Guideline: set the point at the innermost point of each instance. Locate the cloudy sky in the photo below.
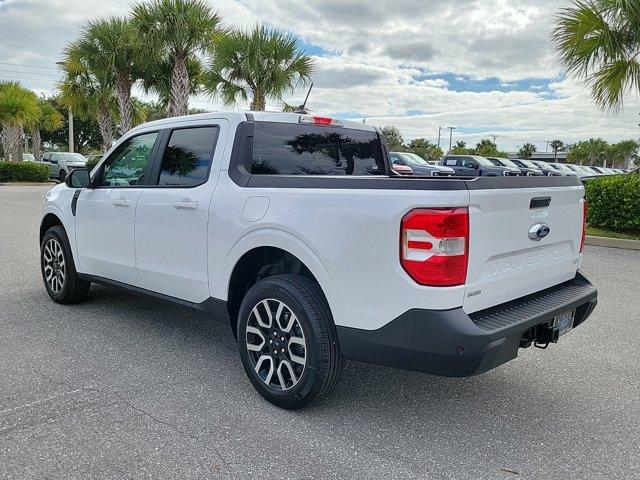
(483, 66)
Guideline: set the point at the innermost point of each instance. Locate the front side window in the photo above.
(127, 166)
(187, 158)
(292, 149)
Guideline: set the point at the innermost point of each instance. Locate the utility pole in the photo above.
(451, 129)
(439, 134)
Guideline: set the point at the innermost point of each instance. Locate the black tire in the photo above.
(71, 289)
(62, 175)
(323, 358)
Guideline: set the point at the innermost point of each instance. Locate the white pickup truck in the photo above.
(294, 230)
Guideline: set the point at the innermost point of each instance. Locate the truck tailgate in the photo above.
(504, 262)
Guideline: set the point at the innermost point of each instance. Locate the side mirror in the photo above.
(78, 178)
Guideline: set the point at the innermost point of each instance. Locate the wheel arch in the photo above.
(48, 221)
(262, 261)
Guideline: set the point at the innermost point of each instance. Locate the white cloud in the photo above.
(383, 60)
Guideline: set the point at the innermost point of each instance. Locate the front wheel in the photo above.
(288, 341)
(62, 175)
(58, 269)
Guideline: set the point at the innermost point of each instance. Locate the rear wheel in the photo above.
(288, 342)
(58, 270)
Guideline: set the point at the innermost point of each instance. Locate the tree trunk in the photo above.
(14, 139)
(36, 144)
(179, 102)
(105, 124)
(5, 142)
(259, 102)
(123, 92)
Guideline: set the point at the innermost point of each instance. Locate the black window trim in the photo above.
(242, 177)
(156, 168)
(146, 178)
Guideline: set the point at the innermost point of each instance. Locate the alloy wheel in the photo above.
(276, 344)
(54, 265)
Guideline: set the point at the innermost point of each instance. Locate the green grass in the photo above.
(600, 232)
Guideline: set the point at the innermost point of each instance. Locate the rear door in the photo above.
(105, 213)
(504, 261)
(172, 216)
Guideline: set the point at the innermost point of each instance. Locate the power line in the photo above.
(26, 65)
(22, 72)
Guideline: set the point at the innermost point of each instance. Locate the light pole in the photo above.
(71, 149)
(451, 129)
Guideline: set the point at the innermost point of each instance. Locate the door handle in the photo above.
(121, 202)
(185, 205)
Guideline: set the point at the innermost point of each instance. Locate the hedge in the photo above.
(614, 203)
(23, 172)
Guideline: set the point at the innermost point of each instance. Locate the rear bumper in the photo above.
(454, 344)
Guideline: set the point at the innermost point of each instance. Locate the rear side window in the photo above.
(451, 162)
(292, 149)
(187, 158)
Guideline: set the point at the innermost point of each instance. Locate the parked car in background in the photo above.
(504, 162)
(580, 171)
(419, 165)
(477, 166)
(531, 169)
(28, 157)
(563, 169)
(61, 163)
(592, 170)
(546, 168)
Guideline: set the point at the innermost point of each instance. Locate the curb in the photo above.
(613, 242)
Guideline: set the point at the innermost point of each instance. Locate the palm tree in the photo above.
(113, 48)
(261, 63)
(88, 92)
(49, 121)
(179, 30)
(556, 146)
(527, 150)
(626, 151)
(18, 108)
(598, 41)
(157, 78)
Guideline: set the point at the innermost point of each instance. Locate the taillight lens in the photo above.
(434, 246)
(585, 208)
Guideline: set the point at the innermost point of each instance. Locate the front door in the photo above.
(172, 216)
(105, 213)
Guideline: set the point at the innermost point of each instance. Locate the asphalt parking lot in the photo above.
(128, 387)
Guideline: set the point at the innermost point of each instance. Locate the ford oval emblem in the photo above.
(539, 231)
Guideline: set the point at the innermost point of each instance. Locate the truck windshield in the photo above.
(293, 149)
(414, 159)
(72, 157)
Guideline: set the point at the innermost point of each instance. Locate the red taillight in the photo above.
(585, 207)
(434, 246)
(318, 120)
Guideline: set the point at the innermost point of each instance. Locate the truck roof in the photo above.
(240, 116)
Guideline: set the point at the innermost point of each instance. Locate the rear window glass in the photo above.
(291, 149)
